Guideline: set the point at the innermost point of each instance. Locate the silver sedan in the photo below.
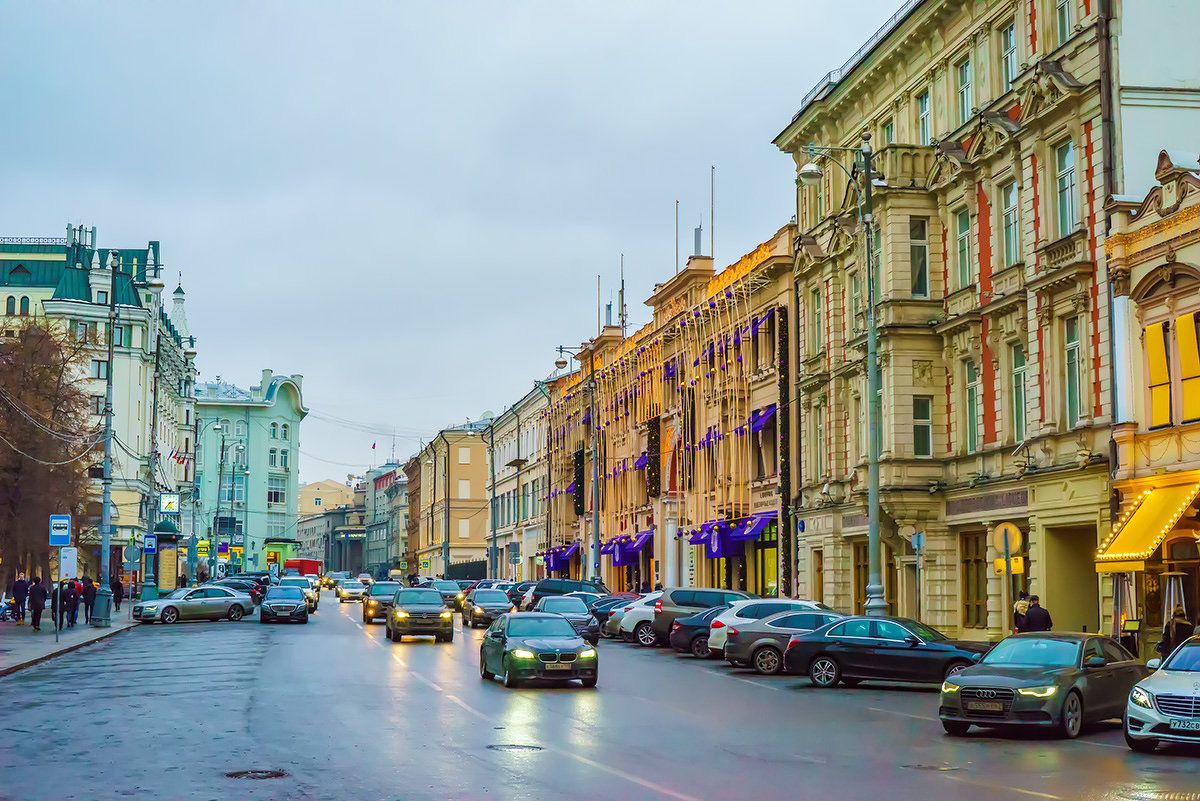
(197, 603)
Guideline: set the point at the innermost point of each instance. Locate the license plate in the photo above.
(1184, 725)
(985, 706)
(557, 666)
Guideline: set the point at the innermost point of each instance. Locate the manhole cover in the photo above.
(1163, 795)
(930, 767)
(256, 774)
(515, 747)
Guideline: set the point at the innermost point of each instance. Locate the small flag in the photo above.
(372, 446)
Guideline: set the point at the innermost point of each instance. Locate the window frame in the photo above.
(887, 131)
(973, 576)
(963, 76)
(924, 118)
(1008, 55)
(816, 323)
(1073, 370)
(99, 369)
(924, 424)
(962, 248)
(1066, 212)
(1064, 21)
(971, 410)
(1010, 222)
(1019, 391)
(918, 246)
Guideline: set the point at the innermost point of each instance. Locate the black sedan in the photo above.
(602, 609)
(532, 645)
(575, 610)
(377, 603)
(690, 634)
(484, 606)
(420, 611)
(452, 594)
(761, 643)
(857, 649)
(1054, 680)
(284, 603)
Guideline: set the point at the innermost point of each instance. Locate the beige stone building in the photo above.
(516, 442)
(453, 503)
(319, 496)
(997, 129)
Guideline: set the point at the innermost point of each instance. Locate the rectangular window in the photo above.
(97, 405)
(922, 425)
(226, 493)
(855, 298)
(283, 459)
(819, 442)
(1074, 365)
(818, 587)
(974, 580)
(962, 228)
(1018, 392)
(102, 297)
(273, 458)
(276, 523)
(99, 368)
(464, 488)
(1063, 21)
(876, 265)
(862, 570)
(1189, 366)
(814, 338)
(1064, 182)
(464, 455)
(464, 529)
(918, 254)
(239, 489)
(1159, 372)
(81, 332)
(316, 501)
(923, 131)
(964, 90)
(889, 132)
(971, 412)
(276, 490)
(1010, 223)
(1008, 55)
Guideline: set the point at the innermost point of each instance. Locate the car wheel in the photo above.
(1145, 746)
(341, 600)
(767, 660)
(387, 631)
(449, 637)
(305, 620)
(170, 615)
(644, 634)
(262, 619)
(955, 728)
(484, 673)
(824, 672)
(1070, 718)
(589, 682)
(955, 667)
(236, 612)
(700, 648)
(509, 680)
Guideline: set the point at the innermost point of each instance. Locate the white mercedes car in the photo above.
(1165, 706)
(752, 609)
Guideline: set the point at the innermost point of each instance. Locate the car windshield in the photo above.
(353, 585)
(1186, 658)
(540, 627)
(294, 582)
(385, 588)
(420, 597)
(490, 597)
(926, 633)
(564, 605)
(284, 594)
(446, 586)
(1034, 652)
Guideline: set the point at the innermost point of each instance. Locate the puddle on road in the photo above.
(257, 774)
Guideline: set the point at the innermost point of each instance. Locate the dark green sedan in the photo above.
(532, 645)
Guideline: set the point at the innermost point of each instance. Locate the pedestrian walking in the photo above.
(1178, 629)
(20, 592)
(89, 599)
(1036, 617)
(75, 597)
(118, 592)
(37, 602)
(1019, 610)
(67, 604)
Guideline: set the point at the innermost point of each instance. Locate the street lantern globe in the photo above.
(560, 363)
(810, 174)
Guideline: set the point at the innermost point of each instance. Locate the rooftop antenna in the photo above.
(621, 310)
(676, 236)
(712, 211)
(393, 458)
(699, 233)
(598, 303)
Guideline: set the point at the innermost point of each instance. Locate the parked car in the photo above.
(603, 608)
(517, 592)
(744, 611)
(560, 586)
(637, 619)
(311, 596)
(377, 603)
(532, 645)
(249, 587)
(685, 602)
(690, 634)
(484, 606)
(195, 603)
(451, 594)
(1055, 680)
(855, 649)
(420, 611)
(284, 603)
(351, 590)
(575, 611)
(588, 598)
(761, 643)
(1166, 706)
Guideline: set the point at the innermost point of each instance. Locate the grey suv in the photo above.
(685, 602)
(562, 586)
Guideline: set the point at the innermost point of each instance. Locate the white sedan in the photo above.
(637, 620)
(1165, 706)
(752, 609)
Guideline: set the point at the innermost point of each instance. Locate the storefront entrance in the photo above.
(1068, 584)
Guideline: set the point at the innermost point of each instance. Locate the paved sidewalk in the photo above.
(21, 646)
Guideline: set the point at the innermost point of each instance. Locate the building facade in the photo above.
(247, 469)
(517, 487)
(997, 130)
(377, 514)
(453, 504)
(321, 495)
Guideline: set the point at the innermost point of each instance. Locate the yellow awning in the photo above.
(1142, 528)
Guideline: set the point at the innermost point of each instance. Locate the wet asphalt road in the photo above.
(165, 712)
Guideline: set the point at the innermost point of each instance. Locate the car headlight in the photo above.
(401, 613)
(521, 653)
(513, 609)
(479, 610)
(949, 687)
(459, 596)
(447, 614)
(1141, 698)
(1037, 692)
(587, 653)
(149, 607)
(301, 607)
(370, 603)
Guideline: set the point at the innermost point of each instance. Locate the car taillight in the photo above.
(627, 608)
(716, 624)
(792, 642)
(657, 606)
(676, 625)
(732, 632)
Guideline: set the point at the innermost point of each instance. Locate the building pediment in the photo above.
(949, 165)
(995, 134)
(1045, 89)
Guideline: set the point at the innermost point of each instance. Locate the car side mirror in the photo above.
(1094, 662)
(976, 657)
(913, 640)
(1154, 664)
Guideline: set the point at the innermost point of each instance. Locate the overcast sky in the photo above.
(407, 203)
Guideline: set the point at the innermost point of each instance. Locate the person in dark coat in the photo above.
(89, 598)
(20, 591)
(118, 592)
(37, 602)
(1037, 618)
(68, 604)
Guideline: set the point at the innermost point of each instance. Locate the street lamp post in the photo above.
(561, 363)
(810, 175)
(102, 612)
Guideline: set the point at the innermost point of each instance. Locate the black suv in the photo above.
(419, 611)
(685, 602)
(559, 586)
(377, 602)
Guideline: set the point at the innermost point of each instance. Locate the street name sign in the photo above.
(60, 530)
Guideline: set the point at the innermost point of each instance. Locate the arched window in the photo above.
(274, 430)
(24, 306)
(10, 307)
(241, 428)
(286, 430)
(226, 428)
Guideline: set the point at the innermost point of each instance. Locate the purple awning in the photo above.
(751, 528)
(642, 460)
(567, 554)
(698, 537)
(721, 545)
(761, 419)
(609, 547)
(640, 541)
(570, 487)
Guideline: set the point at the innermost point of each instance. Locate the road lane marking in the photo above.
(1010, 788)
(902, 714)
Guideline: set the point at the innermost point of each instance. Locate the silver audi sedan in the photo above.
(195, 603)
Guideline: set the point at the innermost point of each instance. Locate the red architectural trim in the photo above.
(1041, 375)
(1092, 246)
(1037, 217)
(1032, 30)
(984, 237)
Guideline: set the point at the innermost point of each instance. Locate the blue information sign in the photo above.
(60, 531)
(151, 543)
